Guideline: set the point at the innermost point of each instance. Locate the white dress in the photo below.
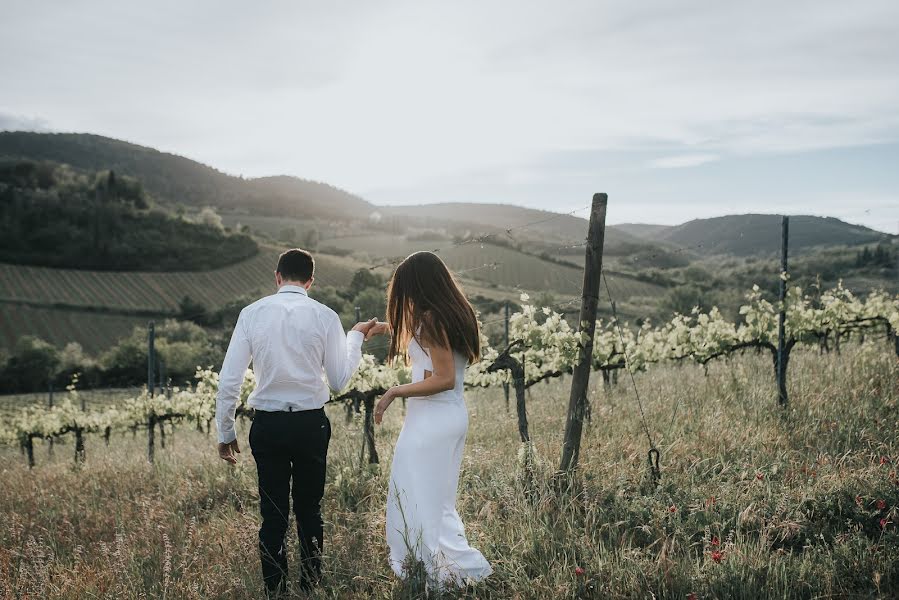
(422, 522)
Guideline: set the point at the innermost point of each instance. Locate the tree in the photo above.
(362, 279)
(31, 366)
(288, 235)
(210, 218)
(311, 239)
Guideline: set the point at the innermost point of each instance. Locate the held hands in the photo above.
(228, 452)
(371, 328)
(379, 328)
(383, 403)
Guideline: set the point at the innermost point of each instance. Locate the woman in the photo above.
(434, 326)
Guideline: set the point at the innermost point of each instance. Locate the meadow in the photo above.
(754, 501)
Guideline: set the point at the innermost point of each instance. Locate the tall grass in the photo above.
(754, 502)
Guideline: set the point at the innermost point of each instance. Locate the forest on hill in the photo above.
(54, 216)
(176, 181)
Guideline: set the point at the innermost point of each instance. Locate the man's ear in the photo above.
(308, 284)
(278, 279)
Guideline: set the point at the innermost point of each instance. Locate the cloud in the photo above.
(14, 122)
(682, 161)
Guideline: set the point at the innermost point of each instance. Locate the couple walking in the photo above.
(297, 344)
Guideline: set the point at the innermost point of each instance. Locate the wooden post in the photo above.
(50, 405)
(590, 298)
(79, 445)
(369, 428)
(506, 385)
(151, 437)
(29, 451)
(151, 372)
(151, 356)
(782, 317)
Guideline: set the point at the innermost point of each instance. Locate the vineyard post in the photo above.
(614, 374)
(50, 405)
(782, 317)
(587, 324)
(151, 419)
(505, 384)
(28, 446)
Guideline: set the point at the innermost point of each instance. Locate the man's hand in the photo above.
(383, 403)
(228, 452)
(379, 328)
(365, 326)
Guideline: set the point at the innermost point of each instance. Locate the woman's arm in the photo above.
(443, 379)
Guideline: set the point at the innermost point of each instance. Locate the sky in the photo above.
(677, 110)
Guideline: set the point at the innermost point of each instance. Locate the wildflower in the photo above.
(759, 476)
(858, 500)
(881, 505)
(717, 555)
(579, 571)
(884, 460)
(672, 509)
(692, 596)
(884, 523)
(715, 541)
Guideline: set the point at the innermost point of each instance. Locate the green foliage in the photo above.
(51, 215)
(31, 366)
(362, 279)
(181, 346)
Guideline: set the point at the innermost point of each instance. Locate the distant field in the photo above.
(155, 291)
(94, 331)
(49, 303)
(492, 265)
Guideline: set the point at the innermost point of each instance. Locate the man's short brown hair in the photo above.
(296, 265)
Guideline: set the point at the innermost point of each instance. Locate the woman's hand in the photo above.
(378, 328)
(383, 403)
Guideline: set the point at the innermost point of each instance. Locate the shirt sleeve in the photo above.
(237, 359)
(343, 351)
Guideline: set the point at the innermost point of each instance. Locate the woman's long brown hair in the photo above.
(425, 301)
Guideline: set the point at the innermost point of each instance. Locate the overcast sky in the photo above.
(678, 109)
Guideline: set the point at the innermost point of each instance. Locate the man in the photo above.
(291, 339)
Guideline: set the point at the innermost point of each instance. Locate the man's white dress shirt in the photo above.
(292, 341)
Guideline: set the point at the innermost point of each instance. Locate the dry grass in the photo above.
(791, 498)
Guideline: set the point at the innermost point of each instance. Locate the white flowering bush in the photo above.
(546, 344)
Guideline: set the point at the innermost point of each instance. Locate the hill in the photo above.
(753, 234)
(526, 223)
(53, 216)
(643, 230)
(175, 180)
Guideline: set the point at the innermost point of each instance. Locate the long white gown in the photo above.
(421, 506)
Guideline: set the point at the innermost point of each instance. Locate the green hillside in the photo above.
(745, 235)
(54, 216)
(176, 180)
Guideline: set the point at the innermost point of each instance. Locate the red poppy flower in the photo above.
(884, 460)
(715, 541)
(884, 523)
(672, 509)
(717, 555)
(580, 572)
(881, 505)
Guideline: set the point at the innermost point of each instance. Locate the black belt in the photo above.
(289, 409)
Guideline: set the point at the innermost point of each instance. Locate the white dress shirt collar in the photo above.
(292, 288)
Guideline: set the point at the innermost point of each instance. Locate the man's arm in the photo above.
(237, 359)
(343, 351)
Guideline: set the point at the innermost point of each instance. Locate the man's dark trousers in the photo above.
(285, 445)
